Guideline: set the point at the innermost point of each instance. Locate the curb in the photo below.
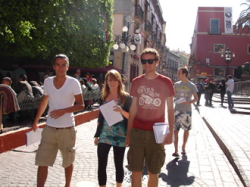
(17, 138)
(233, 160)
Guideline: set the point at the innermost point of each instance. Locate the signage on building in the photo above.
(204, 74)
(228, 20)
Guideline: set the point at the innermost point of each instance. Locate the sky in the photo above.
(180, 17)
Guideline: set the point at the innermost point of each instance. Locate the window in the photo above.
(219, 71)
(214, 26)
(248, 49)
(219, 48)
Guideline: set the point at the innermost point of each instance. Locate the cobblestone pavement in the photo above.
(204, 164)
(232, 132)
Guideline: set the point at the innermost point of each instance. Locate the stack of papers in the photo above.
(181, 100)
(33, 137)
(112, 117)
(161, 131)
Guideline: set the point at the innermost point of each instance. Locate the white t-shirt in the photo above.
(61, 98)
(230, 85)
(95, 86)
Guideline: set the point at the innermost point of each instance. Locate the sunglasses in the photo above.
(149, 61)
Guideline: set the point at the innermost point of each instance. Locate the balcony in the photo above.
(158, 43)
(154, 37)
(148, 27)
(214, 31)
(139, 14)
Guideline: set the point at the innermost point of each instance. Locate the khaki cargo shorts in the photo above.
(144, 148)
(54, 139)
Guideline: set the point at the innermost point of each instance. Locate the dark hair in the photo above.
(229, 76)
(23, 77)
(184, 71)
(60, 56)
(8, 79)
(94, 81)
(151, 51)
(85, 82)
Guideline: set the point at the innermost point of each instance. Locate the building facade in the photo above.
(213, 35)
(146, 28)
(173, 64)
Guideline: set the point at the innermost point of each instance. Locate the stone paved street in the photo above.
(204, 164)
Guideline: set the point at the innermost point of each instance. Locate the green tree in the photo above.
(39, 29)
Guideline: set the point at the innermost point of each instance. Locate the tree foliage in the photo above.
(39, 29)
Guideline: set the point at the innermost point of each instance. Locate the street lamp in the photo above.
(125, 42)
(228, 57)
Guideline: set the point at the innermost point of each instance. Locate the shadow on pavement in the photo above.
(178, 173)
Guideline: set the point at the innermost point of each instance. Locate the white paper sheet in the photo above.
(161, 131)
(112, 117)
(181, 100)
(33, 137)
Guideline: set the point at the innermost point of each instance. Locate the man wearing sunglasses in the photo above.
(151, 91)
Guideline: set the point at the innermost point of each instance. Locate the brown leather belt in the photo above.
(62, 127)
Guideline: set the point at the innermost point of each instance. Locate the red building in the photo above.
(213, 35)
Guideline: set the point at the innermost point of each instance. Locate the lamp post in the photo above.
(126, 42)
(228, 57)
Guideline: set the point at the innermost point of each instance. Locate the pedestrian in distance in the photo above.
(112, 136)
(60, 93)
(222, 89)
(230, 89)
(77, 75)
(200, 90)
(183, 111)
(150, 91)
(209, 89)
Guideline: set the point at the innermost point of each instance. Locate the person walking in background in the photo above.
(94, 84)
(151, 92)
(209, 89)
(7, 81)
(222, 88)
(89, 78)
(23, 85)
(78, 75)
(200, 90)
(60, 92)
(230, 89)
(183, 111)
(112, 136)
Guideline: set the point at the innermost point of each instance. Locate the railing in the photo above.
(29, 103)
(92, 95)
(242, 88)
(214, 31)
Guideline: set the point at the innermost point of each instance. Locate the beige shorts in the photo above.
(144, 148)
(54, 139)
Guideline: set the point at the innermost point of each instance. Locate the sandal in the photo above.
(175, 154)
(183, 152)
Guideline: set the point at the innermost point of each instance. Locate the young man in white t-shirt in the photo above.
(60, 92)
(230, 89)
